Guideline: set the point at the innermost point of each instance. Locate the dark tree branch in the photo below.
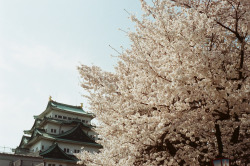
(236, 133)
(219, 142)
(222, 116)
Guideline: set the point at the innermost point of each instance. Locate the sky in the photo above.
(41, 44)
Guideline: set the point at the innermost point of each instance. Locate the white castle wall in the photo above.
(73, 147)
(66, 115)
(36, 147)
(63, 145)
(58, 129)
(46, 144)
(64, 128)
(53, 126)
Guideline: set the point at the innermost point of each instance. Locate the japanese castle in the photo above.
(58, 133)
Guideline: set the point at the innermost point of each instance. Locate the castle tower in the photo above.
(59, 132)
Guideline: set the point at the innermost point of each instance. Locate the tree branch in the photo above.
(219, 142)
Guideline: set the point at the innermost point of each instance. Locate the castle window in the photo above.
(69, 118)
(42, 147)
(59, 116)
(56, 116)
(64, 117)
(83, 121)
(67, 150)
(53, 130)
(76, 151)
(62, 131)
(64, 149)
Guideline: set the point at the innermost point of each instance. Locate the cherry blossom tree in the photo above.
(180, 94)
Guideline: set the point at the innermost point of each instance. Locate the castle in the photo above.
(58, 133)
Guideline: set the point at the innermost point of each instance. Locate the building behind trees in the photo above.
(57, 134)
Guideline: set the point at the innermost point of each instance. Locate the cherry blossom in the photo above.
(180, 94)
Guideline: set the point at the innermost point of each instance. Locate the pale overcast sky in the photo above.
(42, 42)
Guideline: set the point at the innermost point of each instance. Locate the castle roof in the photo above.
(40, 122)
(76, 135)
(53, 105)
(25, 140)
(66, 107)
(56, 153)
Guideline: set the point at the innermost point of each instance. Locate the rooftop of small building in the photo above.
(29, 155)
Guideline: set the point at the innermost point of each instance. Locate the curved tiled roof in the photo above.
(68, 122)
(64, 107)
(55, 152)
(67, 107)
(74, 135)
(54, 120)
(36, 123)
(24, 140)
